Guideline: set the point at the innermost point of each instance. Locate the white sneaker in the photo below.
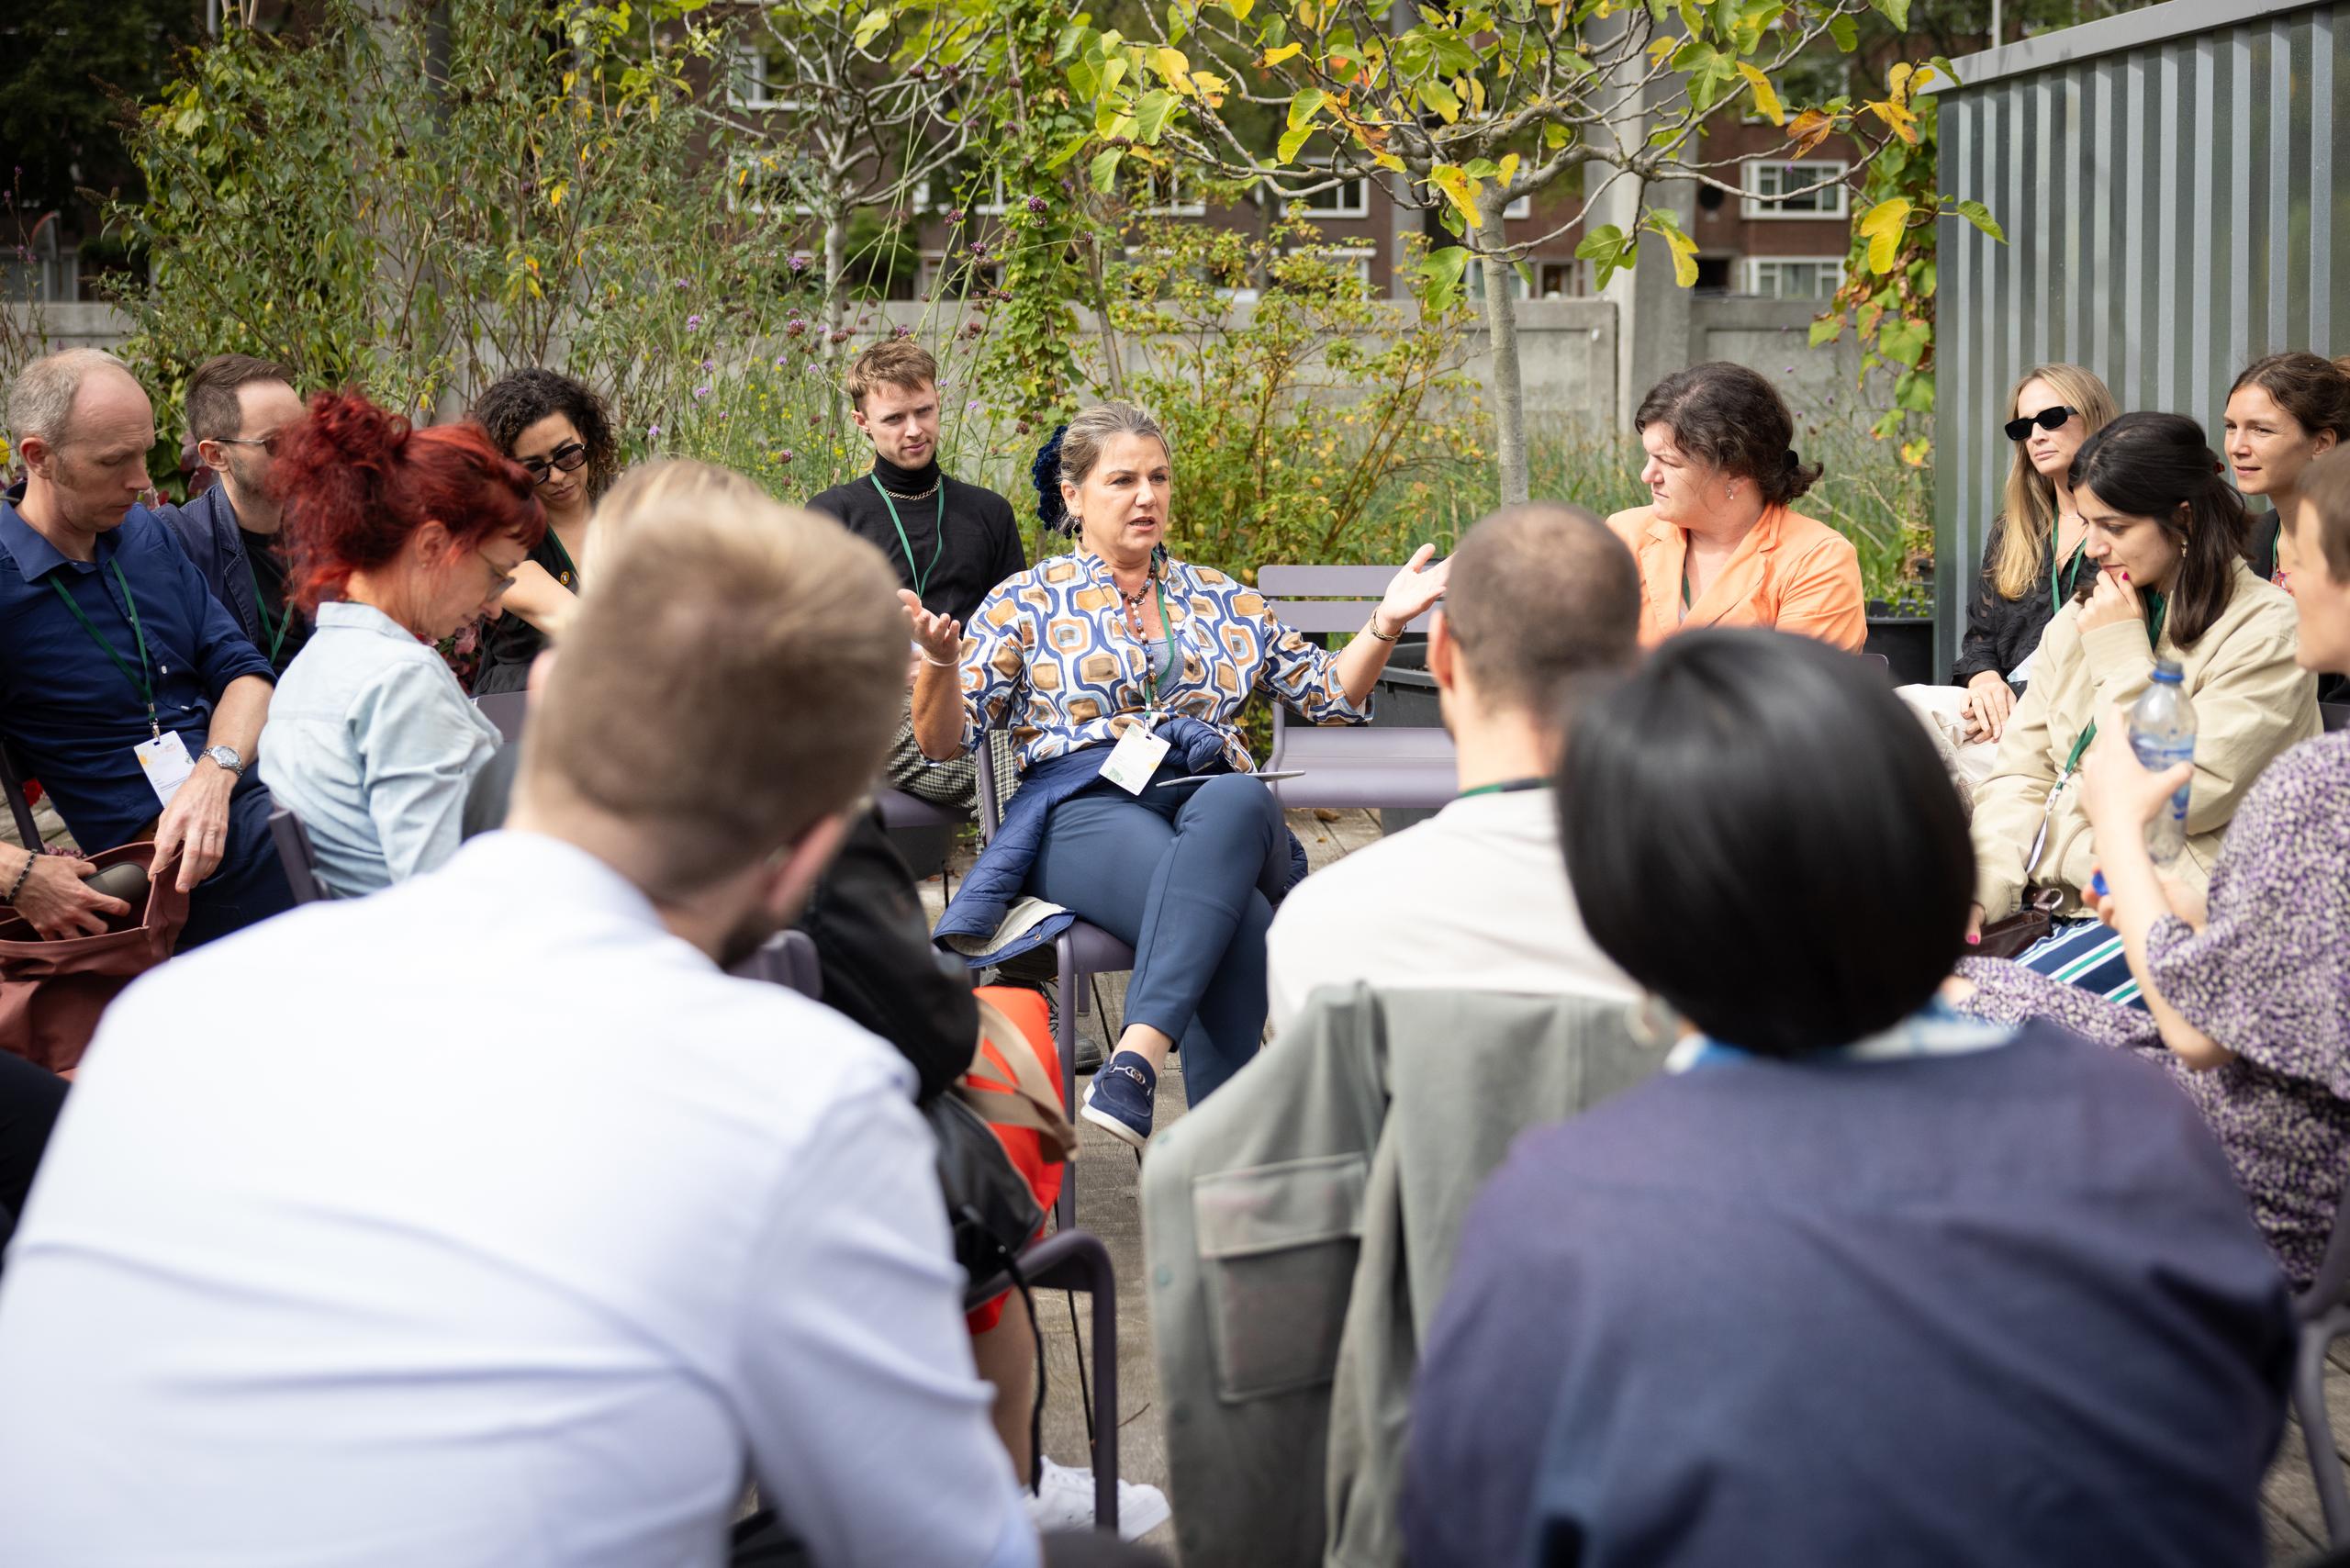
(1064, 1500)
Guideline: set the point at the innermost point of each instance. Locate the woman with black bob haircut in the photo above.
(2164, 532)
(561, 432)
(1835, 1181)
(1721, 544)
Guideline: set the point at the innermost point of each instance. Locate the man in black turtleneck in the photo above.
(951, 542)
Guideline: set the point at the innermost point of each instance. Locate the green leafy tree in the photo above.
(1465, 109)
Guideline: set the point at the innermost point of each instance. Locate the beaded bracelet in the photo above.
(22, 878)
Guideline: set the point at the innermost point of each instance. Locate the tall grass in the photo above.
(1865, 492)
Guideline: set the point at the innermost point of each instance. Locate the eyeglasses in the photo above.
(500, 578)
(266, 442)
(566, 457)
(2047, 420)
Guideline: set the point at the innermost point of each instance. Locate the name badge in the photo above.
(166, 763)
(1134, 758)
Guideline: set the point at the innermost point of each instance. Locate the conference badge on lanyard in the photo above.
(1139, 751)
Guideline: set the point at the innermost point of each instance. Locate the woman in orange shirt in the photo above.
(1718, 545)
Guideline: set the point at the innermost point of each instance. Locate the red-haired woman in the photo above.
(397, 537)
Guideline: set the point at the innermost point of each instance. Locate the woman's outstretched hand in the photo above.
(1415, 590)
(940, 636)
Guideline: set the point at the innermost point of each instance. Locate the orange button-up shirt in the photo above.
(1791, 572)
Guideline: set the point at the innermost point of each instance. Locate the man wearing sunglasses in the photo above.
(237, 406)
(950, 541)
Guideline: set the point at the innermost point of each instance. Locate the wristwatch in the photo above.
(226, 755)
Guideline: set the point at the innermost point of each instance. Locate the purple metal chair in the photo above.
(1082, 953)
(1349, 765)
(921, 829)
(295, 854)
(2324, 1312)
(1076, 1259)
(507, 710)
(789, 959)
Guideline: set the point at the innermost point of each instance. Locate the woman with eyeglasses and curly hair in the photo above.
(559, 430)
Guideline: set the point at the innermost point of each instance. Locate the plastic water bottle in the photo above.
(2162, 731)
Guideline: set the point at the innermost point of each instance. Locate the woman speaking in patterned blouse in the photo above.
(1121, 673)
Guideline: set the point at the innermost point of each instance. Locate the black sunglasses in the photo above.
(567, 457)
(2047, 420)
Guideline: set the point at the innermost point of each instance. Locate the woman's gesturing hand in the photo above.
(1413, 592)
(939, 636)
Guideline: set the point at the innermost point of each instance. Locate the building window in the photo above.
(959, 276)
(752, 86)
(1794, 277)
(1347, 264)
(1565, 280)
(1522, 207)
(759, 183)
(1770, 178)
(1165, 195)
(1350, 198)
(990, 205)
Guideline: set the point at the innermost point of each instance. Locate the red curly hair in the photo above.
(357, 481)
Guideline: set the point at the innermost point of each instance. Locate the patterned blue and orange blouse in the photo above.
(1049, 657)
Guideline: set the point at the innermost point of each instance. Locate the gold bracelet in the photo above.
(1374, 631)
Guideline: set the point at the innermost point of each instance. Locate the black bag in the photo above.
(988, 1201)
(2035, 922)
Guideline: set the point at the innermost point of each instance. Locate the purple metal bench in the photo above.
(1349, 765)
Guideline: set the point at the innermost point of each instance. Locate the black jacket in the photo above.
(207, 530)
(2002, 632)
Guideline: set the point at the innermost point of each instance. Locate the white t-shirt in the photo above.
(484, 1223)
(1473, 899)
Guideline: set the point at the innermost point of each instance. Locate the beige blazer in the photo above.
(2251, 702)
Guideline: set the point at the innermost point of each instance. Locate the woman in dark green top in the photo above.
(561, 432)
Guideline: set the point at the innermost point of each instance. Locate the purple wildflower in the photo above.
(1037, 204)
(797, 261)
(691, 322)
(701, 392)
(652, 434)
(901, 331)
(708, 366)
(954, 215)
(681, 283)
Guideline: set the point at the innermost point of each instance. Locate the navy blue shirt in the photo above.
(69, 715)
(2005, 1306)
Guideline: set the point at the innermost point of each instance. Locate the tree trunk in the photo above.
(1501, 327)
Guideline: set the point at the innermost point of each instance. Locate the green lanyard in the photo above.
(140, 681)
(1507, 787)
(938, 541)
(260, 608)
(1149, 665)
(2153, 640)
(2060, 582)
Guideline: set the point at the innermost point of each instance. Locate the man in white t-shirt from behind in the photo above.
(487, 1222)
(1476, 898)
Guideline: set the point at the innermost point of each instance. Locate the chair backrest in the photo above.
(295, 854)
(13, 782)
(2335, 714)
(507, 710)
(789, 959)
(1322, 599)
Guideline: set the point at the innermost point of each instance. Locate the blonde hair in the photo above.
(2028, 512)
(731, 677)
(1082, 441)
(894, 361)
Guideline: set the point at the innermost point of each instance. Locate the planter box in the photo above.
(1907, 644)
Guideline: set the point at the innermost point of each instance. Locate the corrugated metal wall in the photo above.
(2173, 209)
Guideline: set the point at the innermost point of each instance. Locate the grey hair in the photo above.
(1087, 434)
(42, 400)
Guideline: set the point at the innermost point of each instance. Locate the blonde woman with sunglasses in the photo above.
(2031, 564)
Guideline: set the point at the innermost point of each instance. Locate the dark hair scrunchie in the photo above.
(1045, 472)
(1792, 462)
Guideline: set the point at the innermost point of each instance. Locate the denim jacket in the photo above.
(1048, 656)
(371, 744)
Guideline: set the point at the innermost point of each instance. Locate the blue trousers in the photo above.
(250, 885)
(1185, 874)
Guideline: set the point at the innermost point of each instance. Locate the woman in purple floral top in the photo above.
(2247, 990)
